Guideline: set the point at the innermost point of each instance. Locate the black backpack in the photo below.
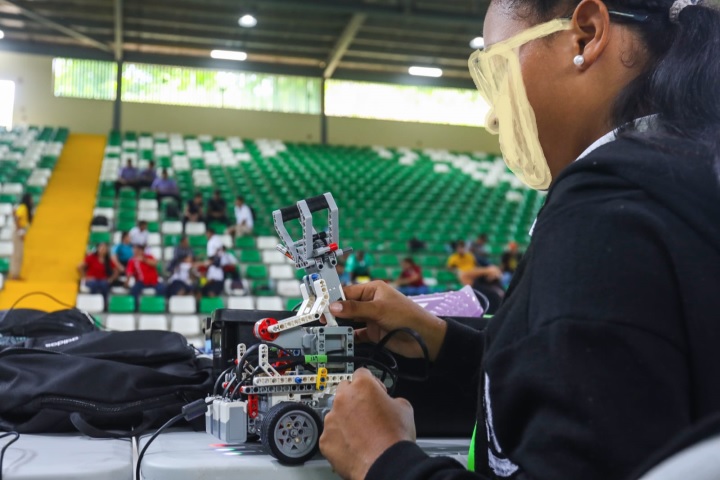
(104, 384)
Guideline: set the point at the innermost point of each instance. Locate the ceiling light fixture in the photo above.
(2, 34)
(228, 55)
(425, 72)
(477, 43)
(247, 21)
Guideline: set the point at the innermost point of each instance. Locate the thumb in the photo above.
(356, 310)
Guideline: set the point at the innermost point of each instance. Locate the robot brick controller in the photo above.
(284, 396)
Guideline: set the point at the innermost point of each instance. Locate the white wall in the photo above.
(36, 104)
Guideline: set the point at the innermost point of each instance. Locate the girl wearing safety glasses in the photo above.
(607, 347)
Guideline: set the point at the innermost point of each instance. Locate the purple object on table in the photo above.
(461, 303)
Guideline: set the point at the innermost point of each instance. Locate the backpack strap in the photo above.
(84, 427)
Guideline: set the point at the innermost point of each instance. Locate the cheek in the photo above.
(544, 87)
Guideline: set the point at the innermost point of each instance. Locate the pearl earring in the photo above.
(579, 60)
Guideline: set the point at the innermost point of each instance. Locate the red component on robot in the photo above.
(333, 247)
(262, 331)
(253, 406)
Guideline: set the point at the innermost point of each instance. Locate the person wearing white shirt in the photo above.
(214, 243)
(140, 235)
(244, 221)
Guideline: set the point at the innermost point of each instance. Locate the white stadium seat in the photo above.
(121, 323)
(273, 256)
(178, 304)
(270, 303)
(267, 243)
(241, 303)
(282, 272)
(171, 228)
(152, 322)
(188, 325)
(288, 288)
(195, 228)
(90, 303)
(6, 249)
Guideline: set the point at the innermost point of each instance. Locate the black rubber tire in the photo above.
(302, 449)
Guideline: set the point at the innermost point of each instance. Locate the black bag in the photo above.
(99, 381)
(100, 221)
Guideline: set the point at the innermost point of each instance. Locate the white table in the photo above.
(178, 455)
(67, 457)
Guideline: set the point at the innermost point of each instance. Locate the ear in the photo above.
(591, 30)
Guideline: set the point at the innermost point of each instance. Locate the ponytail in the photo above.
(681, 82)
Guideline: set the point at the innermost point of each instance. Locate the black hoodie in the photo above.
(608, 343)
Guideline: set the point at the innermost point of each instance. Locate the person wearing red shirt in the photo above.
(143, 268)
(98, 271)
(411, 280)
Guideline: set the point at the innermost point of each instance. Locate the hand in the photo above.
(384, 309)
(493, 273)
(363, 423)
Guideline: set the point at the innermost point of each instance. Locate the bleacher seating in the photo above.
(27, 159)
(387, 197)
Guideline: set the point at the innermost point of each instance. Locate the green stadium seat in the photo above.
(147, 194)
(197, 241)
(121, 304)
(4, 265)
(379, 274)
(209, 305)
(171, 240)
(127, 192)
(128, 204)
(245, 242)
(293, 303)
(445, 277)
(250, 256)
(388, 261)
(257, 272)
(152, 305)
(99, 237)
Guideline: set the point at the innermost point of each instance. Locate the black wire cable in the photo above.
(220, 378)
(5, 447)
(167, 424)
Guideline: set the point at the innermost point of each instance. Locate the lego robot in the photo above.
(284, 396)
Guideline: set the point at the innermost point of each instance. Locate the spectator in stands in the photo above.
(182, 250)
(143, 268)
(23, 216)
(194, 210)
(416, 245)
(139, 234)
(214, 243)
(98, 270)
(358, 265)
(464, 263)
(343, 274)
(509, 261)
(216, 209)
(214, 278)
(147, 176)
(244, 220)
(182, 280)
(411, 280)
(122, 252)
(166, 187)
(480, 250)
(229, 263)
(128, 176)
